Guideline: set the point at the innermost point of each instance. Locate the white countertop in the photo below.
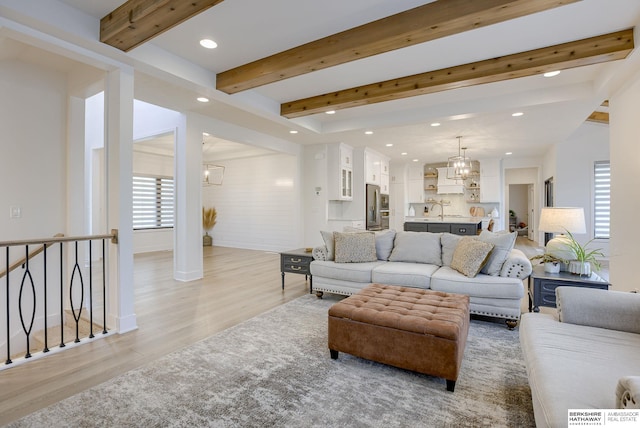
(447, 219)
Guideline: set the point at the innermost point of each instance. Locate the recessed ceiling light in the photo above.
(203, 99)
(330, 112)
(389, 144)
(368, 132)
(293, 131)
(517, 114)
(208, 43)
(206, 134)
(404, 153)
(435, 124)
(551, 73)
(508, 153)
(416, 160)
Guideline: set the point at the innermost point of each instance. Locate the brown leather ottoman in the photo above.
(411, 328)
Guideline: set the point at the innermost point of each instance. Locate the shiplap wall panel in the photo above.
(257, 203)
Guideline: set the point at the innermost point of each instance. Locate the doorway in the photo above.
(548, 202)
(520, 208)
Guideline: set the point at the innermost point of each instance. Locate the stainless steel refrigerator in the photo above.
(374, 218)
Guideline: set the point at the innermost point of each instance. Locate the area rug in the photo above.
(275, 371)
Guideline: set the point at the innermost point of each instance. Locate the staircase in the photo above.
(68, 332)
(53, 272)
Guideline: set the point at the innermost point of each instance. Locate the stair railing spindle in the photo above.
(62, 345)
(8, 361)
(104, 290)
(90, 292)
(46, 340)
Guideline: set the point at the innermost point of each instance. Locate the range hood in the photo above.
(447, 186)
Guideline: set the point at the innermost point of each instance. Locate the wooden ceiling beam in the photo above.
(137, 21)
(421, 24)
(594, 50)
(599, 117)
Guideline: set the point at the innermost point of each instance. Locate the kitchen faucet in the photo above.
(441, 203)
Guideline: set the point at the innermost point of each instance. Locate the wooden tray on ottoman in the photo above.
(410, 328)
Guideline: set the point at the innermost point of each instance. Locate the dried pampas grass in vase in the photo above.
(208, 221)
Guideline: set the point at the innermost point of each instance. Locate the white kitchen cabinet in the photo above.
(384, 184)
(415, 191)
(340, 172)
(415, 184)
(384, 176)
(415, 172)
(372, 167)
(490, 180)
(346, 156)
(384, 166)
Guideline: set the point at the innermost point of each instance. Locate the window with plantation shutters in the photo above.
(602, 199)
(152, 202)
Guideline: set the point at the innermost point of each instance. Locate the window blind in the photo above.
(152, 202)
(602, 199)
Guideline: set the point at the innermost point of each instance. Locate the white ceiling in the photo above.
(248, 30)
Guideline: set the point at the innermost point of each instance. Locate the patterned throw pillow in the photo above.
(355, 247)
(470, 255)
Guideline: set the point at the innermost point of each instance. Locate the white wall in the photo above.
(625, 204)
(257, 203)
(316, 208)
(33, 175)
(573, 181)
(33, 117)
(150, 120)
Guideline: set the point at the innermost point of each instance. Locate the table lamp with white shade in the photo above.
(559, 220)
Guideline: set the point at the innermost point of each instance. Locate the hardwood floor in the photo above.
(238, 284)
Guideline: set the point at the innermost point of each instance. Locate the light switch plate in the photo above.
(15, 212)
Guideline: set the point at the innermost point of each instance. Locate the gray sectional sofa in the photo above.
(586, 356)
(430, 261)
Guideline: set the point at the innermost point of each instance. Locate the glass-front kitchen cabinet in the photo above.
(340, 170)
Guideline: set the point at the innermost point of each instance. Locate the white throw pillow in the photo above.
(417, 247)
(384, 243)
(327, 237)
(449, 243)
(503, 243)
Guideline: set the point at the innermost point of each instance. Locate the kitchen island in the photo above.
(456, 225)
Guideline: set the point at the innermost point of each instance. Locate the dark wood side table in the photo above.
(542, 286)
(297, 261)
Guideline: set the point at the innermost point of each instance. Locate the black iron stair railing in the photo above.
(33, 294)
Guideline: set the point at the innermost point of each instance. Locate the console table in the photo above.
(542, 286)
(297, 261)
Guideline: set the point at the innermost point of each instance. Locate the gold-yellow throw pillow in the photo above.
(470, 255)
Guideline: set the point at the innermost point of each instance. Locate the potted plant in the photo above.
(551, 262)
(585, 258)
(208, 221)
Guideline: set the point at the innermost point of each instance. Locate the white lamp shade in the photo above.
(562, 219)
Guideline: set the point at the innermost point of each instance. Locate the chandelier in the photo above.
(459, 167)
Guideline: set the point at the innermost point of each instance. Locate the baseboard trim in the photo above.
(188, 276)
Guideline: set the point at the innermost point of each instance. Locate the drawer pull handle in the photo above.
(296, 267)
(296, 260)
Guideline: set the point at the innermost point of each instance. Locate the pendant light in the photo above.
(459, 167)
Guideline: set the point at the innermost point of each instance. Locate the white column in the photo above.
(119, 159)
(625, 205)
(187, 253)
